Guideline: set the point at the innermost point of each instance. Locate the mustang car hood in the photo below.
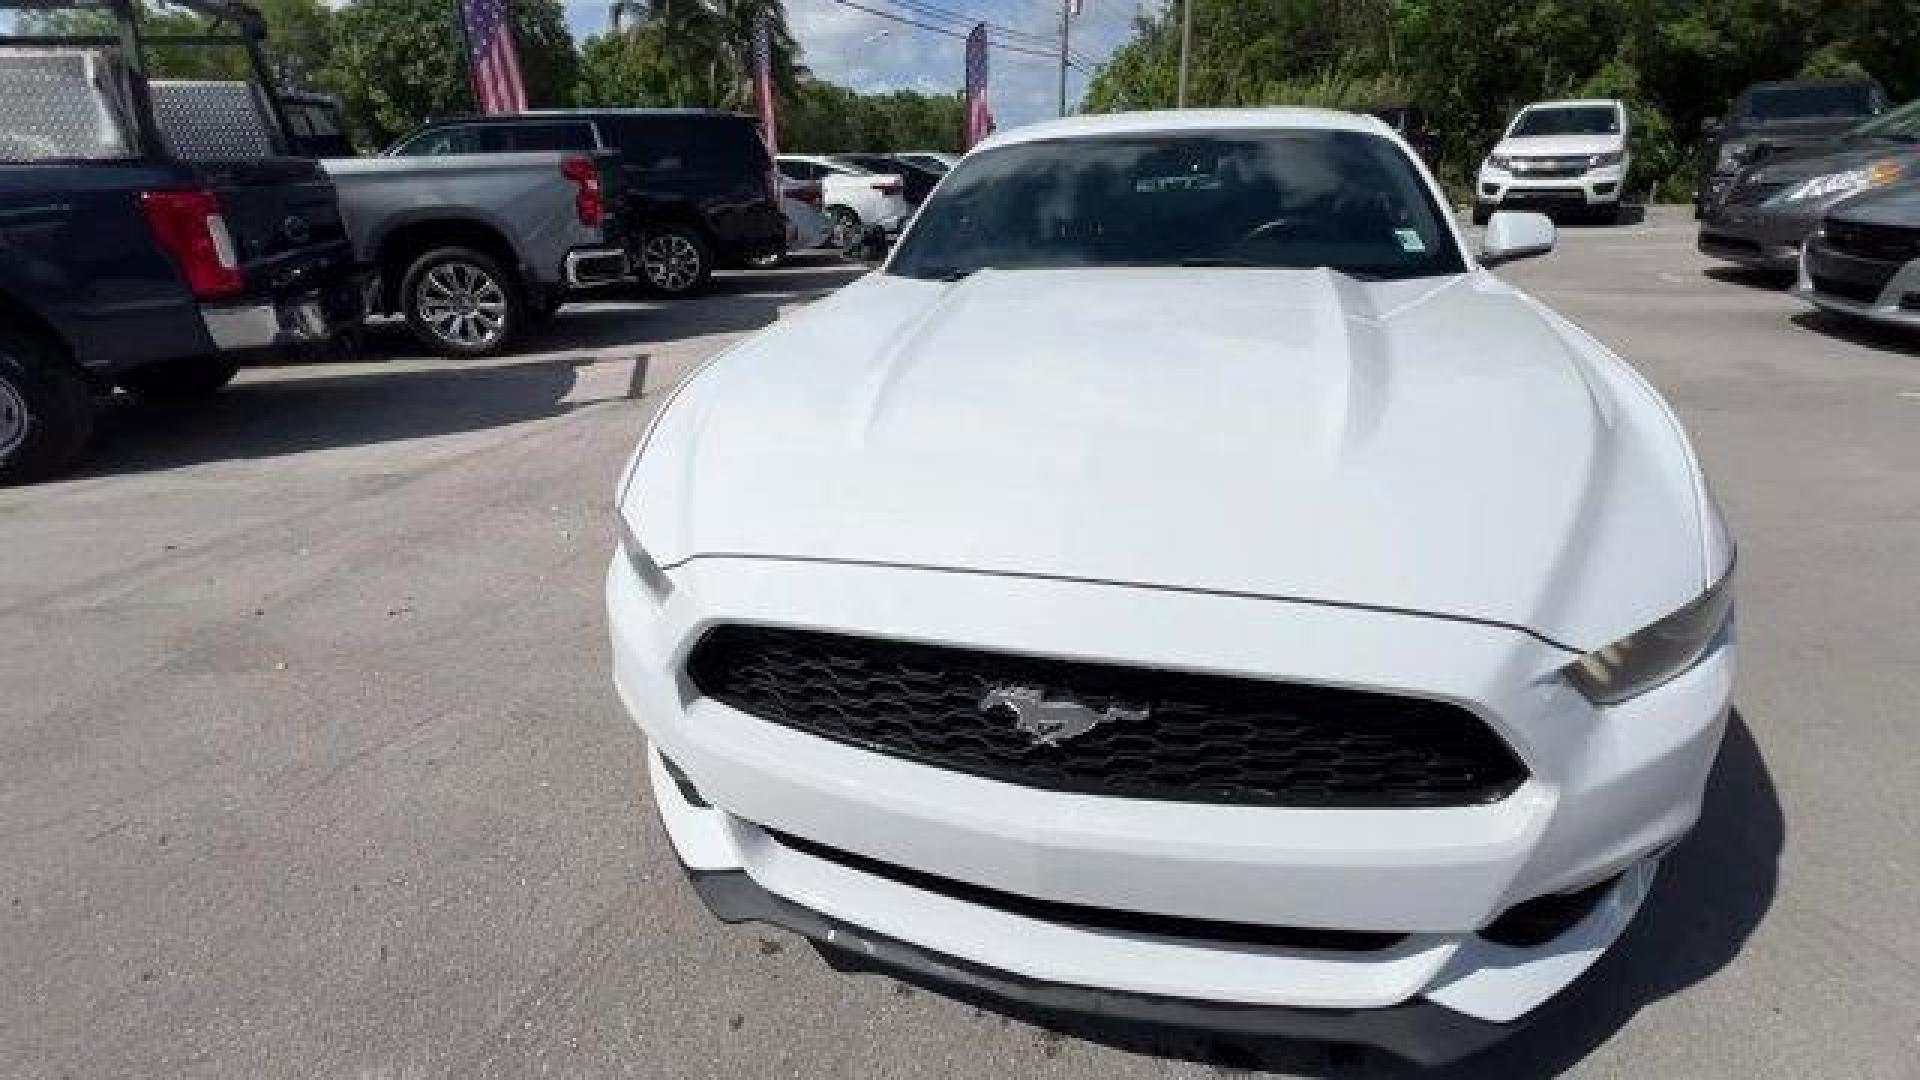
(1437, 445)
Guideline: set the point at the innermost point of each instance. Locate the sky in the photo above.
(868, 52)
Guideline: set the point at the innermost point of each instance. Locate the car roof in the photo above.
(1169, 121)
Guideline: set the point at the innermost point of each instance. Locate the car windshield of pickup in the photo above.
(1346, 200)
(1807, 101)
(1567, 120)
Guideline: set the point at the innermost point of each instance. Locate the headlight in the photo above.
(1733, 156)
(1841, 183)
(1499, 161)
(1606, 161)
(1658, 654)
(654, 579)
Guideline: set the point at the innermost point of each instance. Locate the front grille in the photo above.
(1165, 735)
(1552, 168)
(1860, 292)
(1881, 243)
(1099, 918)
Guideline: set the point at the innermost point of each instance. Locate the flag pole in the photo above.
(466, 53)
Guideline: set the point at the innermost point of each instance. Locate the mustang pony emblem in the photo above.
(1049, 723)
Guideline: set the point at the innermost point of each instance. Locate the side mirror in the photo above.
(874, 244)
(1512, 235)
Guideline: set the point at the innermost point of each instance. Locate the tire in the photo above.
(180, 380)
(674, 260)
(462, 302)
(847, 228)
(46, 409)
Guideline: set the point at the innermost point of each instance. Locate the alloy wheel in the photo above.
(670, 262)
(463, 305)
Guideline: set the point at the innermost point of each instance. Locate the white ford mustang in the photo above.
(1182, 585)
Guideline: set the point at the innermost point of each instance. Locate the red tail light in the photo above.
(807, 193)
(589, 202)
(190, 227)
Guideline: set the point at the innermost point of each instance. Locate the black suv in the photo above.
(1772, 118)
(695, 185)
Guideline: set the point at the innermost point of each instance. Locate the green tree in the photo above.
(397, 63)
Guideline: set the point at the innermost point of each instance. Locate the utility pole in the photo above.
(1186, 46)
(1066, 27)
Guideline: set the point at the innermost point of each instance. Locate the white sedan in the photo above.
(854, 197)
(1182, 585)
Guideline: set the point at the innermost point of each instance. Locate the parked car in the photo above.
(856, 197)
(919, 179)
(1228, 605)
(473, 249)
(1567, 156)
(1762, 217)
(153, 236)
(804, 204)
(696, 186)
(937, 162)
(1772, 118)
(1864, 260)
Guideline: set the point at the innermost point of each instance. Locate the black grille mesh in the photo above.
(1203, 738)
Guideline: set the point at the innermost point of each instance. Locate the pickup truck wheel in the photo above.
(177, 380)
(674, 260)
(461, 302)
(46, 410)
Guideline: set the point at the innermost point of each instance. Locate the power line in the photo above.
(928, 10)
(952, 33)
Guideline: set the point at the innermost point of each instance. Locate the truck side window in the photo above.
(447, 140)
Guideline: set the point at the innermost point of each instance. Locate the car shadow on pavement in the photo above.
(325, 409)
(1710, 895)
(1859, 331)
(1753, 277)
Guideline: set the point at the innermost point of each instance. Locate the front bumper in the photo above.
(1609, 790)
(1499, 188)
(1861, 288)
(1764, 237)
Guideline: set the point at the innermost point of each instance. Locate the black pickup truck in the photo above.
(151, 238)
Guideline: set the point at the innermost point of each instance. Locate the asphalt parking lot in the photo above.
(309, 763)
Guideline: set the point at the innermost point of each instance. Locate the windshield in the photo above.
(1809, 102)
(1340, 199)
(1900, 125)
(1567, 120)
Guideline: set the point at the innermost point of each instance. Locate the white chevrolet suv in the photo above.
(1568, 156)
(1182, 585)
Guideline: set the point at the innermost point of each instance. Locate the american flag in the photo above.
(492, 61)
(979, 116)
(762, 61)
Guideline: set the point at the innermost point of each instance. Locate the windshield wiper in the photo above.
(1220, 260)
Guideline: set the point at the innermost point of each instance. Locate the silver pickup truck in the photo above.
(474, 249)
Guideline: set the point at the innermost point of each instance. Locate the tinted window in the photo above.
(1341, 199)
(447, 140)
(800, 170)
(1567, 120)
(707, 145)
(508, 138)
(1809, 102)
